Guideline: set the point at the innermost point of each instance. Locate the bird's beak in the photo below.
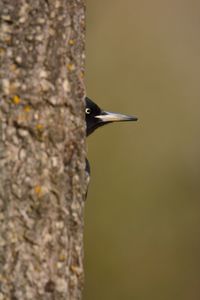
(106, 116)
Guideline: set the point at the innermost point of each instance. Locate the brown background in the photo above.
(142, 219)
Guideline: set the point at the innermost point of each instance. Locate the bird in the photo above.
(96, 117)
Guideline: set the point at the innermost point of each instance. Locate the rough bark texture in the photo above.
(42, 149)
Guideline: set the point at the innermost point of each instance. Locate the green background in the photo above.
(142, 216)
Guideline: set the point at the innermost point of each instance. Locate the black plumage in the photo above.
(96, 117)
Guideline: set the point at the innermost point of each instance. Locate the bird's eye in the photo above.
(87, 111)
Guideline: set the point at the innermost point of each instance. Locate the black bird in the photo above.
(95, 117)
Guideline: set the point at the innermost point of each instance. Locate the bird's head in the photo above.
(96, 117)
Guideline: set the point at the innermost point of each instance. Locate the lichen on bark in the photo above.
(42, 149)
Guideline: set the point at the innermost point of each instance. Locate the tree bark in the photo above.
(42, 149)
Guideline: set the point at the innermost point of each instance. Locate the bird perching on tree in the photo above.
(96, 117)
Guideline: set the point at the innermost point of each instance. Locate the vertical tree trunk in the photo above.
(42, 152)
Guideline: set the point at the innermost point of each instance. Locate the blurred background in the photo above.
(142, 217)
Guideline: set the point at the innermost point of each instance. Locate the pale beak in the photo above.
(115, 117)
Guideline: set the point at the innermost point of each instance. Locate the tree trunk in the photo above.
(42, 149)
